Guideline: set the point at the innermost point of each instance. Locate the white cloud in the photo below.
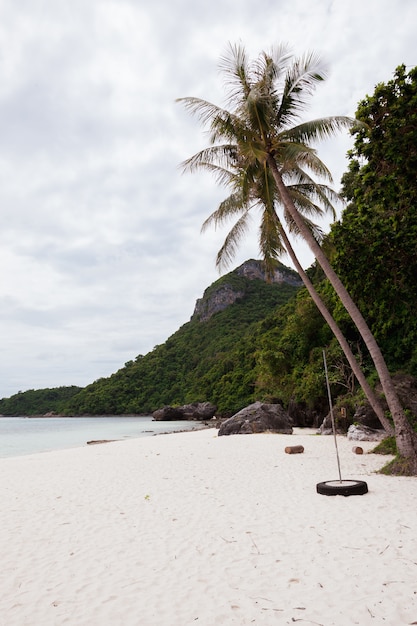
(101, 255)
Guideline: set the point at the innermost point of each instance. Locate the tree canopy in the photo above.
(375, 244)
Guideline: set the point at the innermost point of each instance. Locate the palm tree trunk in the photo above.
(372, 399)
(406, 438)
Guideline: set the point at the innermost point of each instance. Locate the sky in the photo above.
(101, 254)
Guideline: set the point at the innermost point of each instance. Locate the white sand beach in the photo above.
(196, 529)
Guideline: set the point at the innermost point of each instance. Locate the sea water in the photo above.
(28, 435)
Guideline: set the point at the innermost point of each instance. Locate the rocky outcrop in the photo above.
(219, 300)
(220, 296)
(258, 418)
(194, 411)
(255, 269)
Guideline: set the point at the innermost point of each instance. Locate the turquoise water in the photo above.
(28, 435)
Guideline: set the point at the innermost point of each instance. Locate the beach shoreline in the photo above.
(196, 528)
(20, 436)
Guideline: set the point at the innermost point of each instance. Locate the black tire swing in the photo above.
(339, 487)
(342, 488)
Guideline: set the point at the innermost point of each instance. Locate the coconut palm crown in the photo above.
(268, 96)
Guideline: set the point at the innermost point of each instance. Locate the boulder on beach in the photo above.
(193, 411)
(258, 418)
(360, 432)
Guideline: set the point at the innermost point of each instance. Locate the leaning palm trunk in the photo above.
(370, 395)
(405, 437)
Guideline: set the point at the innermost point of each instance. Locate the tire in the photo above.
(342, 488)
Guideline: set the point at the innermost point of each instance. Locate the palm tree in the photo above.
(262, 144)
(252, 189)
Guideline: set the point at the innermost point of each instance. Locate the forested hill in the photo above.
(211, 357)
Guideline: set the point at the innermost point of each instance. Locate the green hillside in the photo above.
(211, 360)
(204, 360)
(37, 401)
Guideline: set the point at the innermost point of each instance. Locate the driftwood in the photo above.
(96, 441)
(294, 449)
(357, 450)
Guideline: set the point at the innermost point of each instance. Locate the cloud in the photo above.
(101, 254)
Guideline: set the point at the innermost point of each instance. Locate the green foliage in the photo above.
(399, 467)
(38, 402)
(290, 355)
(386, 446)
(375, 244)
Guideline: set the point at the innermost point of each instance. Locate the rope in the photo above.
(332, 415)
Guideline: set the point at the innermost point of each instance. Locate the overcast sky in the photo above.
(101, 256)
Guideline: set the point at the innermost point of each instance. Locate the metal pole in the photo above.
(332, 415)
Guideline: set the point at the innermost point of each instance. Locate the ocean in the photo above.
(28, 435)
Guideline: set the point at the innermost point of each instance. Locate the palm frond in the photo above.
(222, 175)
(315, 230)
(270, 241)
(280, 56)
(319, 129)
(227, 126)
(228, 250)
(301, 80)
(229, 207)
(234, 66)
(305, 204)
(316, 194)
(204, 110)
(220, 155)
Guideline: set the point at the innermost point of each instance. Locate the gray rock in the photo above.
(194, 411)
(258, 418)
(168, 414)
(364, 433)
(256, 269)
(198, 411)
(365, 416)
(219, 299)
(326, 427)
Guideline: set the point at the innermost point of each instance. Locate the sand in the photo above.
(192, 528)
